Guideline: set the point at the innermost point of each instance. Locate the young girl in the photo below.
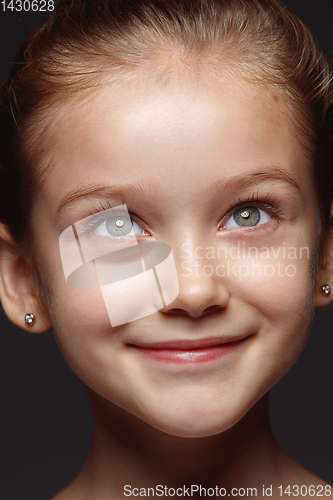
(166, 189)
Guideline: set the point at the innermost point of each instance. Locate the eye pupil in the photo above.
(119, 226)
(247, 216)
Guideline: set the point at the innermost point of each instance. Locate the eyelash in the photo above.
(268, 203)
(98, 219)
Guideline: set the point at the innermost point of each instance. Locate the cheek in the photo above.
(280, 288)
(88, 343)
(77, 316)
(77, 313)
(280, 292)
(276, 274)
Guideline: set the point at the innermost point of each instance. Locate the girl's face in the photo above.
(216, 172)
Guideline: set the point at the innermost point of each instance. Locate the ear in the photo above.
(325, 271)
(16, 293)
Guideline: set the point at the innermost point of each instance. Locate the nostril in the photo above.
(184, 312)
(212, 309)
(177, 310)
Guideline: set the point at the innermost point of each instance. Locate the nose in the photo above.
(201, 290)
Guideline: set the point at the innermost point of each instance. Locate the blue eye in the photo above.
(118, 226)
(247, 217)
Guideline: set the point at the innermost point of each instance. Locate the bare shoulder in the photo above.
(295, 474)
(61, 496)
(66, 494)
(74, 491)
(79, 488)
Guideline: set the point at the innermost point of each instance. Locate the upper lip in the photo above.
(187, 344)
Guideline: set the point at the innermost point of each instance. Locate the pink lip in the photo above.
(187, 351)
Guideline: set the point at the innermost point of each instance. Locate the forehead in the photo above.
(188, 130)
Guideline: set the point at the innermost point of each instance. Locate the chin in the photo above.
(193, 430)
(190, 424)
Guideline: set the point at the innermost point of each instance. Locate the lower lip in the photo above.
(189, 356)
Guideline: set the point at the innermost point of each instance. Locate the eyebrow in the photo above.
(239, 181)
(273, 174)
(94, 191)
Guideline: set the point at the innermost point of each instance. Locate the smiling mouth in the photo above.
(189, 351)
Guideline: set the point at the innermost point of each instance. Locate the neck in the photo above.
(128, 451)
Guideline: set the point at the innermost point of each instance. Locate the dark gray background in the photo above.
(45, 428)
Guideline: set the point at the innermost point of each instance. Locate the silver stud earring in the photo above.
(326, 289)
(29, 319)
